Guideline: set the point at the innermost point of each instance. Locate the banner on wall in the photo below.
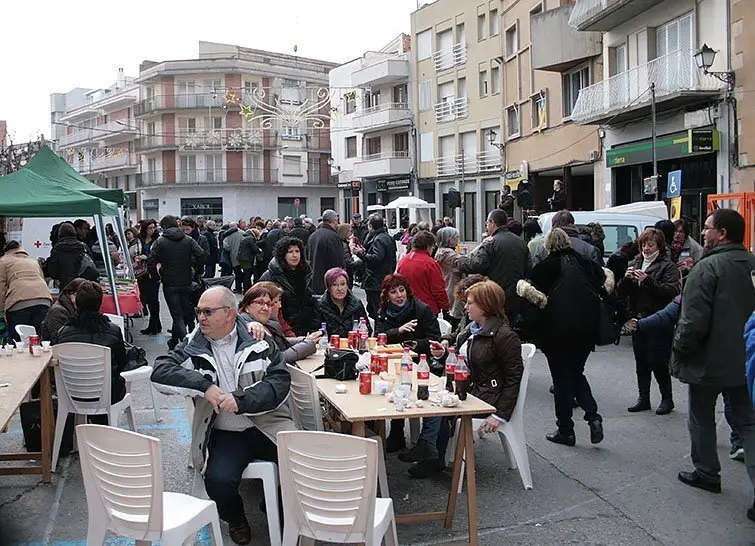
(676, 208)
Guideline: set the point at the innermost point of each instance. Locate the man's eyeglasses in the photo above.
(208, 311)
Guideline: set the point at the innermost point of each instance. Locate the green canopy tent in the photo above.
(55, 169)
(26, 194)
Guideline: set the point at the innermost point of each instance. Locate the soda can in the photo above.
(374, 363)
(335, 342)
(365, 382)
(382, 339)
(382, 363)
(33, 340)
(353, 339)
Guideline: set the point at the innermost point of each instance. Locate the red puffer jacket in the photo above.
(425, 279)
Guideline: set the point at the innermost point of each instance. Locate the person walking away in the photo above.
(70, 258)
(379, 258)
(424, 274)
(149, 281)
(533, 236)
(247, 256)
(708, 350)
(650, 283)
(231, 243)
(448, 260)
(325, 250)
(557, 201)
(567, 330)
(351, 263)
(24, 295)
(300, 232)
(565, 220)
(209, 243)
(177, 256)
(239, 385)
(507, 201)
(502, 257)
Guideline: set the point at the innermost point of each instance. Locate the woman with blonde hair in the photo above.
(567, 330)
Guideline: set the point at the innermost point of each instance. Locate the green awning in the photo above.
(55, 169)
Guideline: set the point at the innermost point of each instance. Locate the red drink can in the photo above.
(365, 382)
(335, 342)
(33, 340)
(353, 339)
(382, 363)
(382, 339)
(374, 363)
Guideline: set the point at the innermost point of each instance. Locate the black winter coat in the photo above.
(338, 323)
(108, 336)
(177, 254)
(301, 233)
(503, 258)
(248, 251)
(60, 312)
(662, 285)
(298, 304)
(572, 284)
(65, 261)
(271, 239)
(427, 326)
(209, 243)
(379, 258)
(325, 252)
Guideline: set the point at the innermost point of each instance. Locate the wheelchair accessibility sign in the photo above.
(674, 188)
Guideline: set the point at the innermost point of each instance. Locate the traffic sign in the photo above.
(674, 188)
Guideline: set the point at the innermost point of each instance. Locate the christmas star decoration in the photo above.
(230, 97)
(246, 111)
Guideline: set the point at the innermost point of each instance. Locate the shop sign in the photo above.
(701, 140)
(393, 185)
(677, 145)
(512, 179)
(344, 185)
(356, 185)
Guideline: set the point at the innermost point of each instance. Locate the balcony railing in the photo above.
(76, 137)
(605, 15)
(179, 101)
(236, 140)
(453, 165)
(672, 74)
(149, 105)
(121, 161)
(398, 154)
(585, 10)
(209, 176)
(451, 109)
(116, 129)
(382, 108)
(450, 57)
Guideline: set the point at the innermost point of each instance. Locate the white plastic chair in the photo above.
(445, 326)
(307, 415)
(328, 484)
(267, 472)
(24, 331)
(122, 473)
(511, 434)
(82, 378)
(118, 321)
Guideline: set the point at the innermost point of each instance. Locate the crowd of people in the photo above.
(684, 305)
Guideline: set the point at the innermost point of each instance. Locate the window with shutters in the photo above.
(291, 165)
(424, 45)
(425, 95)
(351, 146)
(426, 147)
(572, 83)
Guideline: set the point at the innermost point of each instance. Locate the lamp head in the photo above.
(705, 57)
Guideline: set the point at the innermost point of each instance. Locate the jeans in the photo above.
(567, 366)
(734, 438)
(373, 302)
(179, 304)
(30, 316)
(652, 353)
(436, 431)
(229, 454)
(702, 427)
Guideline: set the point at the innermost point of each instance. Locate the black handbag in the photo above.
(339, 365)
(136, 357)
(608, 324)
(31, 425)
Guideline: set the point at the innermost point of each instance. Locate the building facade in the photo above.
(742, 17)
(234, 133)
(494, 100)
(371, 130)
(95, 131)
(649, 49)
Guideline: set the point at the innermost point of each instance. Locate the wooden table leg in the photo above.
(458, 458)
(357, 428)
(471, 483)
(48, 425)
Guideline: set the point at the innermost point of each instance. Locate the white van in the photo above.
(621, 224)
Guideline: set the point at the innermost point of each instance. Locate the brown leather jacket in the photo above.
(494, 357)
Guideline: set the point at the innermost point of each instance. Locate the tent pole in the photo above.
(124, 244)
(100, 224)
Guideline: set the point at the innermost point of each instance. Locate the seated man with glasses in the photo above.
(239, 384)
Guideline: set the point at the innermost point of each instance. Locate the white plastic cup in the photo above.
(36, 350)
(46, 346)
(20, 348)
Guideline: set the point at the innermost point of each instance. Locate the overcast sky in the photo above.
(52, 46)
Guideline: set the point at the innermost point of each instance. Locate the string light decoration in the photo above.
(13, 157)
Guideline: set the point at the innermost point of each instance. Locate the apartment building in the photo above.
(649, 47)
(95, 131)
(371, 130)
(493, 109)
(742, 17)
(235, 133)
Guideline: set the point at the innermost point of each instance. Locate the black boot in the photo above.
(596, 431)
(395, 442)
(560, 438)
(423, 451)
(643, 404)
(426, 469)
(666, 406)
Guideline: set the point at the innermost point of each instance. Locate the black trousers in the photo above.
(149, 290)
(567, 366)
(30, 316)
(238, 273)
(179, 304)
(652, 353)
(373, 302)
(210, 267)
(246, 279)
(229, 454)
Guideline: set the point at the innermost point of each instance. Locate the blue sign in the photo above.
(674, 187)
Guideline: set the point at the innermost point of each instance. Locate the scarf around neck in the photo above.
(647, 260)
(394, 311)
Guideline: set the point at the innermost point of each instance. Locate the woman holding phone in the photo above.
(650, 283)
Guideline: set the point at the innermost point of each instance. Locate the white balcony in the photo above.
(605, 15)
(78, 136)
(383, 164)
(489, 160)
(112, 162)
(382, 116)
(391, 70)
(450, 57)
(116, 131)
(678, 83)
(451, 108)
(469, 163)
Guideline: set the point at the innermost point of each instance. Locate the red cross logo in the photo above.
(38, 244)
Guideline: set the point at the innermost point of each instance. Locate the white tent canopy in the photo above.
(409, 202)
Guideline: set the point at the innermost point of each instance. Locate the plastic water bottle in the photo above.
(323, 344)
(406, 380)
(423, 378)
(363, 334)
(407, 359)
(450, 369)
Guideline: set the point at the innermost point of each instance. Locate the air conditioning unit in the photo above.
(593, 155)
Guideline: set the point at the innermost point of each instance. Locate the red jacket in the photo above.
(425, 279)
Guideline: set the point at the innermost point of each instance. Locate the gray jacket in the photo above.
(582, 247)
(261, 375)
(231, 243)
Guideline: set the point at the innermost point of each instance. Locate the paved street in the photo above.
(624, 491)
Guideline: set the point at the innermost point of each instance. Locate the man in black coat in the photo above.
(379, 257)
(507, 201)
(299, 231)
(557, 201)
(66, 258)
(209, 243)
(325, 250)
(359, 228)
(178, 257)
